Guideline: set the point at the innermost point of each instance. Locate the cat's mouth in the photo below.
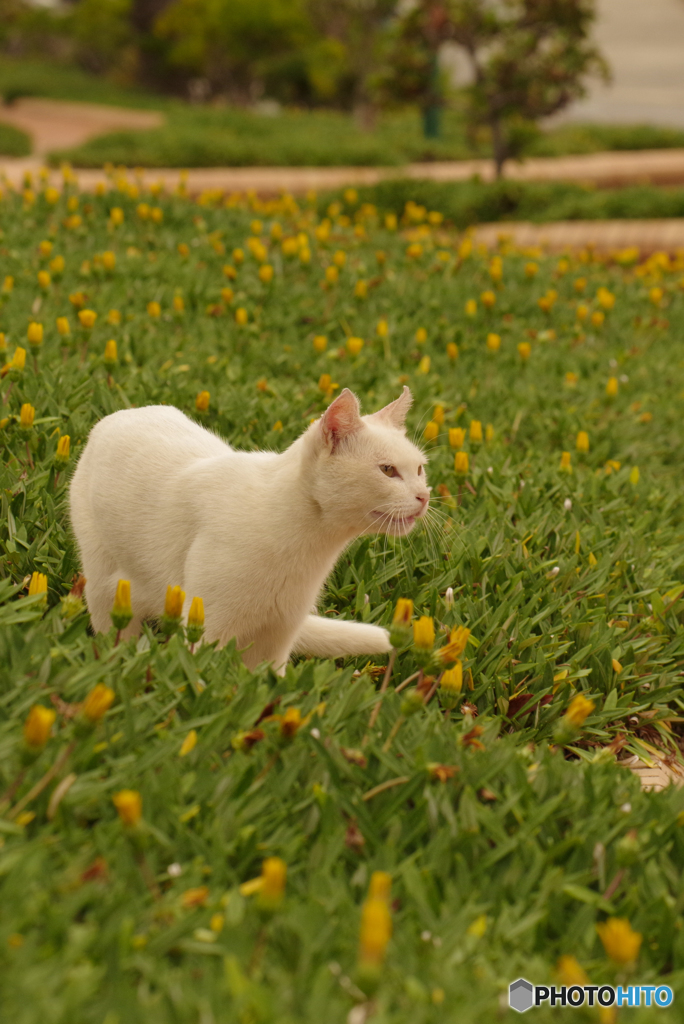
(394, 524)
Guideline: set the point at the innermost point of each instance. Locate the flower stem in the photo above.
(385, 682)
(42, 783)
(395, 729)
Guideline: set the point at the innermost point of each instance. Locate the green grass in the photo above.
(477, 202)
(497, 871)
(13, 142)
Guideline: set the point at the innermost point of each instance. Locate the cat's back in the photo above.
(153, 432)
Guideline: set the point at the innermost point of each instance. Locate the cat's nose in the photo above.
(423, 498)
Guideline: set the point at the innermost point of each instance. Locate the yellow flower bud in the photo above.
(266, 273)
(18, 359)
(376, 931)
(431, 431)
(38, 726)
(421, 336)
(475, 430)
(114, 317)
(195, 627)
(44, 279)
(452, 350)
(524, 350)
(57, 265)
(173, 605)
(153, 309)
(111, 354)
(452, 680)
(290, 723)
(361, 289)
(620, 941)
(62, 453)
(63, 328)
(566, 462)
(612, 387)
(97, 703)
(35, 335)
(461, 463)
(189, 743)
(202, 401)
(26, 416)
(87, 318)
(273, 879)
(582, 442)
(122, 612)
(109, 260)
(424, 633)
(128, 803)
(458, 640)
(354, 346)
(382, 329)
(241, 316)
(471, 307)
(580, 708)
(320, 343)
(488, 299)
(403, 612)
(456, 437)
(493, 342)
(116, 216)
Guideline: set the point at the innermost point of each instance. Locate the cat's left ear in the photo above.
(341, 418)
(395, 413)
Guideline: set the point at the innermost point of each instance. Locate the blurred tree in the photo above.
(232, 43)
(528, 59)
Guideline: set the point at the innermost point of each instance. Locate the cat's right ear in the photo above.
(340, 419)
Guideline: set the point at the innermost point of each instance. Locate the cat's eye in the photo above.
(389, 470)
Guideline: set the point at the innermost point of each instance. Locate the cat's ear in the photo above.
(341, 418)
(395, 413)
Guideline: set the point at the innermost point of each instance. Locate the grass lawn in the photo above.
(206, 136)
(507, 828)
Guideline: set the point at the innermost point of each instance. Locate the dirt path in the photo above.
(53, 124)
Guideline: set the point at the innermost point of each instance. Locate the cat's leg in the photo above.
(337, 638)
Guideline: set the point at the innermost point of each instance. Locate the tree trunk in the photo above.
(499, 147)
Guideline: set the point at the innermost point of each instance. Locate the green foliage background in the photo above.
(509, 863)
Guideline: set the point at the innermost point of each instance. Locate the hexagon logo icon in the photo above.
(521, 995)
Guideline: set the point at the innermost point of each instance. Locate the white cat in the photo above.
(158, 500)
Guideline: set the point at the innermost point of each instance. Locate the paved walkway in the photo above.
(53, 124)
(605, 235)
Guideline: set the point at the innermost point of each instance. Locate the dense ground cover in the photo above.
(508, 835)
(209, 135)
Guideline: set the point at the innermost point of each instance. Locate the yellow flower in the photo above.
(35, 334)
(376, 931)
(38, 726)
(478, 927)
(340, 258)
(122, 613)
(63, 328)
(617, 667)
(273, 877)
(582, 312)
(452, 350)
(461, 463)
(173, 605)
(18, 359)
(634, 476)
(227, 295)
(116, 216)
(605, 298)
(451, 682)
(51, 195)
(403, 612)
(582, 442)
(488, 299)
(98, 702)
(38, 584)
(580, 284)
(456, 646)
(456, 437)
(656, 296)
(189, 743)
(266, 273)
(571, 972)
(597, 318)
(202, 401)
(424, 365)
(153, 309)
(183, 249)
(290, 723)
(571, 379)
(8, 283)
(493, 342)
(320, 343)
(178, 304)
(619, 939)
(57, 265)
(421, 336)
(612, 387)
(361, 289)
(109, 260)
(471, 307)
(489, 432)
(87, 318)
(592, 559)
(414, 250)
(431, 431)
(195, 627)
(382, 330)
(111, 354)
(438, 415)
(578, 711)
(380, 886)
(128, 803)
(524, 350)
(475, 430)
(391, 221)
(62, 453)
(241, 316)
(44, 279)
(331, 275)
(114, 317)
(566, 462)
(354, 346)
(531, 269)
(26, 416)
(424, 633)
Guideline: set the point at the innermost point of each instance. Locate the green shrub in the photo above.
(13, 142)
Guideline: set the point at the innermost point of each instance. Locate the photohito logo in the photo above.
(523, 995)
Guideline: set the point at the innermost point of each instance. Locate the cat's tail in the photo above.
(337, 638)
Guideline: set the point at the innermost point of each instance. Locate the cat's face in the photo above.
(369, 477)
